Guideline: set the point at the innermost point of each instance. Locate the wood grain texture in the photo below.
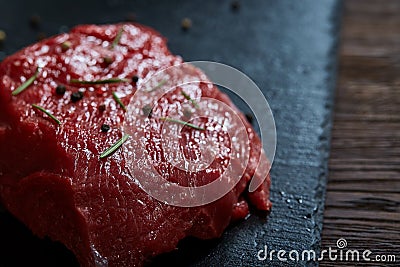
(363, 193)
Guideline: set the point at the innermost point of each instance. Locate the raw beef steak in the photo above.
(52, 175)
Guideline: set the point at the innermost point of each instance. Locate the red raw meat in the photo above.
(51, 176)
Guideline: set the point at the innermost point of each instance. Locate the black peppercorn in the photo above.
(135, 79)
(108, 60)
(102, 107)
(249, 117)
(60, 89)
(235, 5)
(105, 128)
(34, 21)
(147, 110)
(186, 24)
(76, 96)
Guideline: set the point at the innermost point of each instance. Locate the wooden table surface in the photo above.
(363, 193)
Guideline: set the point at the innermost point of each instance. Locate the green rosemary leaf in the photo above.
(118, 100)
(182, 122)
(47, 113)
(115, 146)
(190, 99)
(27, 83)
(117, 38)
(157, 86)
(105, 81)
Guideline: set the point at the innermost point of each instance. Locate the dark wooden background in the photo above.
(363, 194)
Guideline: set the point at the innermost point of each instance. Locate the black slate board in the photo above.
(287, 47)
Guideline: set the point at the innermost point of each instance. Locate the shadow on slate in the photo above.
(287, 47)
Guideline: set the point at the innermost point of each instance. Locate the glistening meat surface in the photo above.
(52, 177)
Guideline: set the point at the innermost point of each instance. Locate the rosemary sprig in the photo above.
(47, 113)
(115, 146)
(105, 81)
(118, 100)
(184, 123)
(190, 99)
(27, 83)
(157, 86)
(117, 38)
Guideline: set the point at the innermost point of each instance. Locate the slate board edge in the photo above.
(325, 137)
